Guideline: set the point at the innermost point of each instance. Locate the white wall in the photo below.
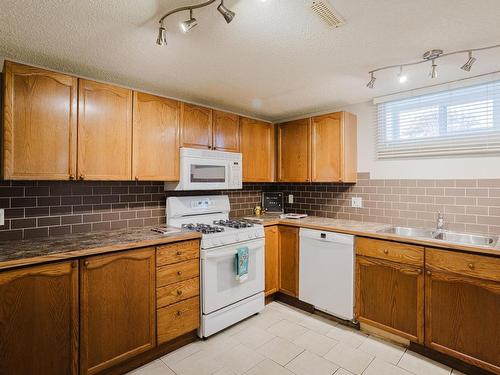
(419, 168)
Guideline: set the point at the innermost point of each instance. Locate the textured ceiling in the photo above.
(275, 60)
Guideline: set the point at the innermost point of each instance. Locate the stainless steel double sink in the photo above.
(444, 235)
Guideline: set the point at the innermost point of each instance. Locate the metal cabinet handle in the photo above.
(137, 178)
(419, 272)
(179, 292)
(179, 252)
(386, 251)
(179, 313)
(471, 266)
(82, 177)
(86, 263)
(179, 273)
(71, 176)
(429, 273)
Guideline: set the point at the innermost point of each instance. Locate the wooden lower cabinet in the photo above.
(177, 289)
(390, 296)
(463, 306)
(272, 260)
(39, 319)
(289, 260)
(117, 308)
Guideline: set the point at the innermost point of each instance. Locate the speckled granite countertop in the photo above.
(367, 229)
(20, 253)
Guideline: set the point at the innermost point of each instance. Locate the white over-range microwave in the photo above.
(208, 170)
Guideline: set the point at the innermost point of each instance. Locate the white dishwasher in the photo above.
(326, 272)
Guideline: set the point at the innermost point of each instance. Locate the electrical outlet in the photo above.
(2, 216)
(357, 202)
(290, 198)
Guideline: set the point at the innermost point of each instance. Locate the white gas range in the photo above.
(225, 300)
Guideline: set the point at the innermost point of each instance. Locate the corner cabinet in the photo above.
(39, 319)
(390, 287)
(463, 306)
(318, 149)
(104, 131)
(289, 260)
(117, 308)
(156, 127)
(40, 124)
(257, 145)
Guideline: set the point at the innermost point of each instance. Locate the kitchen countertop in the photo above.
(367, 229)
(25, 252)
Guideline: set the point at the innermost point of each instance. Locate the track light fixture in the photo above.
(191, 22)
(161, 40)
(371, 84)
(432, 55)
(468, 65)
(226, 13)
(402, 78)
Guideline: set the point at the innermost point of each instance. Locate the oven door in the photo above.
(205, 174)
(220, 286)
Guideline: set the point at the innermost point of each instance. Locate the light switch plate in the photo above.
(2, 216)
(357, 202)
(290, 198)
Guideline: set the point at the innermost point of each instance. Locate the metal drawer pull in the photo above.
(429, 273)
(179, 252)
(471, 266)
(179, 313)
(179, 292)
(386, 251)
(179, 273)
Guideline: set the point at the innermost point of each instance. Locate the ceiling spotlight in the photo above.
(226, 13)
(190, 23)
(372, 82)
(162, 36)
(433, 73)
(402, 78)
(468, 65)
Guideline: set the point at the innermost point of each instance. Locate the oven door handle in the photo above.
(215, 255)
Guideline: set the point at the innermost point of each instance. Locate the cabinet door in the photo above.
(257, 145)
(390, 296)
(272, 260)
(289, 260)
(226, 132)
(117, 308)
(39, 320)
(326, 133)
(462, 304)
(294, 140)
(155, 138)
(196, 126)
(40, 109)
(104, 132)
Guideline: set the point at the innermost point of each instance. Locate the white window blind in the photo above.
(453, 122)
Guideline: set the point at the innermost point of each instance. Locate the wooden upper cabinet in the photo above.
(462, 302)
(226, 132)
(272, 260)
(334, 148)
(294, 140)
(196, 126)
(104, 132)
(39, 320)
(155, 138)
(289, 260)
(40, 120)
(257, 145)
(117, 308)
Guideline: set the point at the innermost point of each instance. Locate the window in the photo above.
(453, 122)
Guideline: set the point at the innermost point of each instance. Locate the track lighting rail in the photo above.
(188, 7)
(431, 56)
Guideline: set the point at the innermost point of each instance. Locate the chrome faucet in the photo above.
(440, 221)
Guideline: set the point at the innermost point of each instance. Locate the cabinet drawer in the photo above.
(177, 319)
(177, 252)
(175, 273)
(480, 266)
(391, 251)
(177, 292)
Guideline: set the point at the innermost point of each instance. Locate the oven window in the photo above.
(208, 173)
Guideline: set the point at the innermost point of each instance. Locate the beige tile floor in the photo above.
(285, 341)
